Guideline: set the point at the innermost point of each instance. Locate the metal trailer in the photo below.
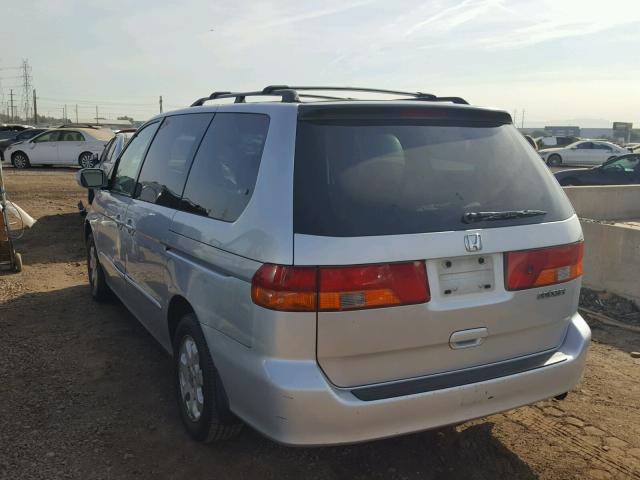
(9, 258)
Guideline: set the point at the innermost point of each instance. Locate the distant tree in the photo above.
(125, 117)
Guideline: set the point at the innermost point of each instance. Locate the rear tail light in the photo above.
(308, 289)
(544, 266)
(290, 289)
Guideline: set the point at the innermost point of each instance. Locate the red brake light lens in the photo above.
(289, 289)
(373, 286)
(308, 289)
(544, 266)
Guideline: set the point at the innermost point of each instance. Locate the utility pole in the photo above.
(522, 124)
(35, 109)
(97, 118)
(64, 115)
(11, 105)
(76, 113)
(160, 103)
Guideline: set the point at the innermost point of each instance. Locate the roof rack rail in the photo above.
(290, 94)
(417, 95)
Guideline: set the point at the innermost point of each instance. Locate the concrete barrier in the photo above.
(612, 258)
(612, 250)
(611, 202)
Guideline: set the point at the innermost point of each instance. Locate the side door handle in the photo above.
(129, 226)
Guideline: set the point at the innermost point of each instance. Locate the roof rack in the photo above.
(290, 94)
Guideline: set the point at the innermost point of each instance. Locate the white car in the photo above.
(584, 152)
(62, 146)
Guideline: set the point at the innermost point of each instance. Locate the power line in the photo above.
(99, 102)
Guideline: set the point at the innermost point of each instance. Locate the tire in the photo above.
(554, 160)
(20, 160)
(209, 420)
(91, 195)
(85, 160)
(17, 266)
(100, 291)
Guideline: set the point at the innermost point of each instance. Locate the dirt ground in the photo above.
(86, 393)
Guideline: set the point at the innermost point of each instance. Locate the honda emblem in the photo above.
(473, 242)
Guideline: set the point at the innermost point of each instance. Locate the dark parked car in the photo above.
(16, 136)
(617, 171)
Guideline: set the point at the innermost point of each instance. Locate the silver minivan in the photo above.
(330, 270)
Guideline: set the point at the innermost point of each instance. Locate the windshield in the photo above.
(354, 178)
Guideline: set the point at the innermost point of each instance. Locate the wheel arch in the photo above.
(554, 155)
(87, 230)
(13, 154)
(178, 307)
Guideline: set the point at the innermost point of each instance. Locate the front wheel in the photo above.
(204, 407)
(99, 289)
(85, 160)
(20, 160)
(554, 160)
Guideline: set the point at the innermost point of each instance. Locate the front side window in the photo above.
(169, 158)
(47, 137)
(124, 180)
(108, 151)
(584, 146)
(225, 169)
(627, 164)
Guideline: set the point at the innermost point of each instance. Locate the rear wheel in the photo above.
(204, 407)
(20, 160)
(554, 160)
(85, 160)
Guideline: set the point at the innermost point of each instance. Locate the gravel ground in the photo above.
(86, 393)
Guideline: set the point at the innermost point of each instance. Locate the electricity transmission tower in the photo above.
(27, 88)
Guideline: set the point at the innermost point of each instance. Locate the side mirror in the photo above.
(92, 178)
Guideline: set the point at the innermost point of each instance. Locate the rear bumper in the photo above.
(292, 402)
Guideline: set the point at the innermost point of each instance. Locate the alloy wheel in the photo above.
(190, 378)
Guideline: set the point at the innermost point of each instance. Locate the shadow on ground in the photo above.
(87, 383)
(53, 239)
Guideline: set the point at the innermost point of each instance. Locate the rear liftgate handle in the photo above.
(468, 338)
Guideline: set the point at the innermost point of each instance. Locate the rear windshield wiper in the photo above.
(470, 217)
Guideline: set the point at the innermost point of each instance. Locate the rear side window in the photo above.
(168, 160)
(225, 169)
(389, 177)
(71, 137)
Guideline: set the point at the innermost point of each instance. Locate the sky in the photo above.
(554, 60)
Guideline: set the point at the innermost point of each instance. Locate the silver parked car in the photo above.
(339, 270)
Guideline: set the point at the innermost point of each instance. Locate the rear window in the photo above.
(357, 177)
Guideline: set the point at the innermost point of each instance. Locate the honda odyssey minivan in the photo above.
(330, 270)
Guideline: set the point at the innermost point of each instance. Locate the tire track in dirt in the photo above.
(581, 438)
